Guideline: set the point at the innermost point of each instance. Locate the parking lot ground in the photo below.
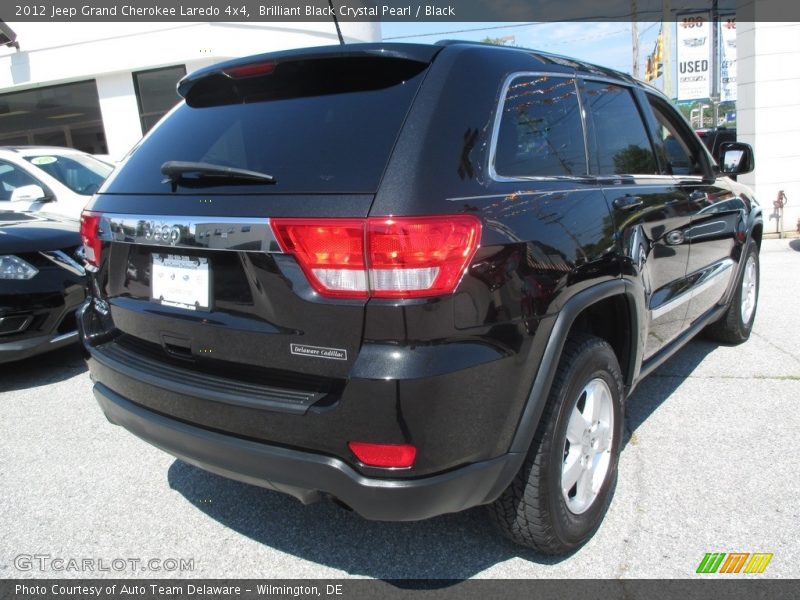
(710, 465)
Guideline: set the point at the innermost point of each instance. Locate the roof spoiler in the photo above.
(263, 63)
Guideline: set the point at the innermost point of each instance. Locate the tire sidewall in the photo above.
(745, 328)
(596, 361)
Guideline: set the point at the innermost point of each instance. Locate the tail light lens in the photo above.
(387, 456)
(330, 252)
(419, 256)
(92, 244)
(404, 257)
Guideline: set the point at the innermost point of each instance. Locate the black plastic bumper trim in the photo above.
(204, 386)
(306, 475)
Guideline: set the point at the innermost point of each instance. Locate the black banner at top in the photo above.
(387, 10)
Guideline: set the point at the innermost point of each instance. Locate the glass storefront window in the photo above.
(156, 93)
(56, 115)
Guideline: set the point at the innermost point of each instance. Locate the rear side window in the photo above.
(541, 131)
(324, 125)
(618, 135)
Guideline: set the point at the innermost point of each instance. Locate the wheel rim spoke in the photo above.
(602, 400)
(572, 471)
(585, 493)
(576, 426)
(604, 441)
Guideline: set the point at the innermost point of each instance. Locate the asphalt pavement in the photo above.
(710, 465)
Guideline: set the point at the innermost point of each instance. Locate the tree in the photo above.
(634, 159)
(500, 41)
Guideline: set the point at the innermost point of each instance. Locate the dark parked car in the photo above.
(413, 279)
(42, 283)
(715, 137)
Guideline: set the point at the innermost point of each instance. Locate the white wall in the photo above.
(768, 113)
(120, 112)
(52, 53)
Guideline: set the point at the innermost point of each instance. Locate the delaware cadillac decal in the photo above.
(319, 352)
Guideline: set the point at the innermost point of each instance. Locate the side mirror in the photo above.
(736, 158)
(29, 193)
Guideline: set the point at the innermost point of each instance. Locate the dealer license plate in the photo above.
(181, 281)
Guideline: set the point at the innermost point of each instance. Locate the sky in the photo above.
(604, 43)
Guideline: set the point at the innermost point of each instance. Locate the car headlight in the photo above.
(13, 267)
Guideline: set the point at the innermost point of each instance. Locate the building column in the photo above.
(768, 92)
(120, 112)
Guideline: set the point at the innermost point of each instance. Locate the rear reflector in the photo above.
(404, 257)
(386, 456)
(92, 244)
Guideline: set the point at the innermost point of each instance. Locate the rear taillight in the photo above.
(419, 256)
(92, 244)
(330, 251)
(403, 257)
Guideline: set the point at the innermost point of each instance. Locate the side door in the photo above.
(717, 212)
(651, 211)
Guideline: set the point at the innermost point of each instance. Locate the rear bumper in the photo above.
(458, 402)
(310, 476)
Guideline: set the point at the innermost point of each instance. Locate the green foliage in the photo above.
(686, 109)
(634, 159)
(499, 41)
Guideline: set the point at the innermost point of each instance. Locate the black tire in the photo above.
(533, 511)
(731, 328)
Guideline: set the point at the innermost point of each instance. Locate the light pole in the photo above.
(666, 41)
(715, 92)
(635, 40)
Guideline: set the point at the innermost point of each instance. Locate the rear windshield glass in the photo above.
(315, 126)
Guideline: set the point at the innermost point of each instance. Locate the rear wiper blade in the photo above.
(200, 174)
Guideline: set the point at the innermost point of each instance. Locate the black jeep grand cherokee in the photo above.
(411, 278)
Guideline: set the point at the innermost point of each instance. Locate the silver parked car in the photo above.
(49, 179)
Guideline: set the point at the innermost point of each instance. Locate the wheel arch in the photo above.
(614, 299)
(758, 232)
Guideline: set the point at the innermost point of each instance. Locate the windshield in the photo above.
(81, 173)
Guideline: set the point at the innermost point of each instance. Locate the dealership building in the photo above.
(767, 114)
(100, 86)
